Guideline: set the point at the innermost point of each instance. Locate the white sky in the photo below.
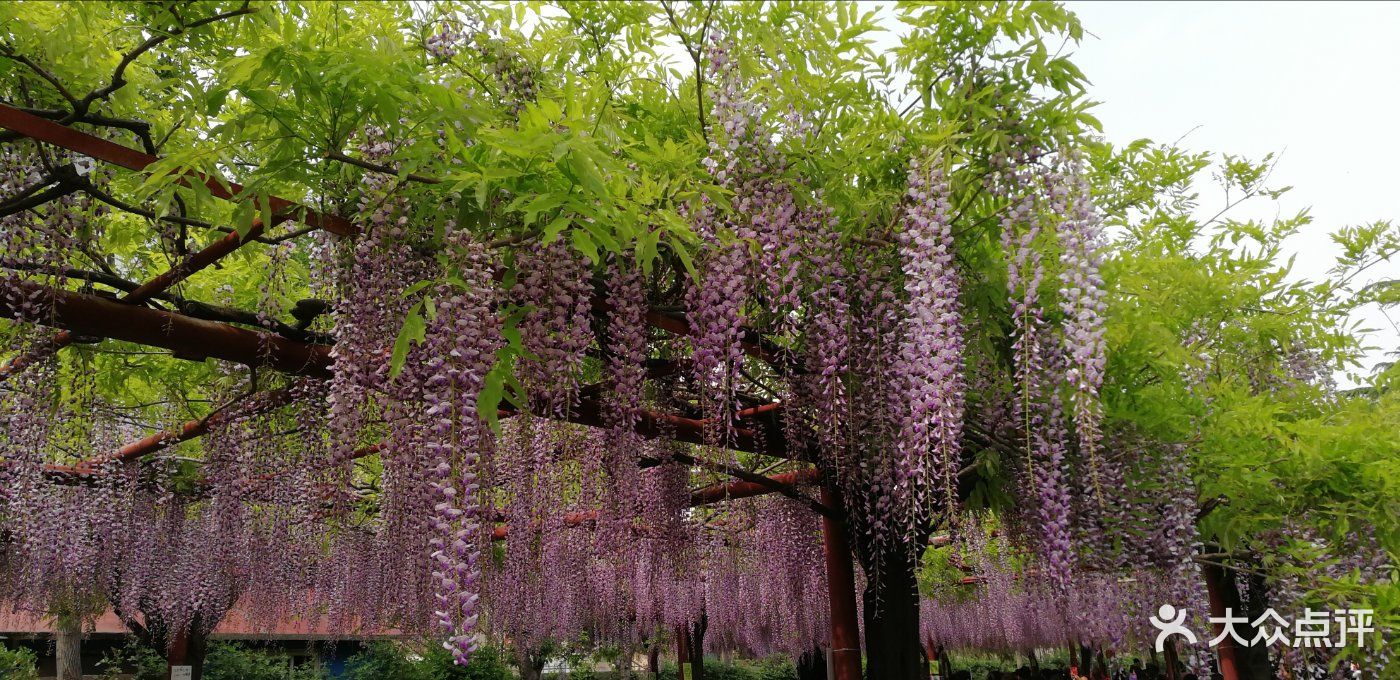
(1318, 83)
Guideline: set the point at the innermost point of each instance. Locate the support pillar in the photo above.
(1228, 649)
(841, 587)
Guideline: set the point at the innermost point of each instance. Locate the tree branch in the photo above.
(412, 177)
(118, 80)
(7, 51)
(35, 200)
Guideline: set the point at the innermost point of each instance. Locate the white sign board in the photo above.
(181, 673)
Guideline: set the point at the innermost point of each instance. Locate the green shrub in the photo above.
(135, 661)
(771, 668)
(236, 661)
(392, 661)
(18, 663)
(740, 670)
(775, 668)
(385, 660)
(222, 661)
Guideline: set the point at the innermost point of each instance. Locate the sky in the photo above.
(1316, 83)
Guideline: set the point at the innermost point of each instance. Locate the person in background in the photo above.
(1135, 670)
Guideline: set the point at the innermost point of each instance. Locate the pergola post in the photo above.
(1228, 652)
(841, 587)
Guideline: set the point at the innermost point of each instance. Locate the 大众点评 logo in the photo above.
(1313, 629)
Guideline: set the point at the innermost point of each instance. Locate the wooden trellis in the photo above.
(77, 315)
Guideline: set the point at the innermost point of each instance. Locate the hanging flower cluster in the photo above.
(1082, 300)
(930, 361)
(463, 343)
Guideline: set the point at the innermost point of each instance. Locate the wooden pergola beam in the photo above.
(92, 146)
(710, 495)
(185, 337)
(47, 131)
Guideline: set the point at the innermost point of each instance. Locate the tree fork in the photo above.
(187, 649)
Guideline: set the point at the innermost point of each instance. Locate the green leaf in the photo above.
(584, 244)
(243, 217)
(488, 400)
(414, 330)
(684, 257)
(553, 229)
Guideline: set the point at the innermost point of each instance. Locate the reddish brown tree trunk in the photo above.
(187, 650)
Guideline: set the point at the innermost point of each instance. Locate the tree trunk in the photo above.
(696, 646)
(811, 665)
(1255, 663)
(654, 660)
(1173, 670)
(187, 650)
(69, 646)
(531, 666)
(682, 656)
(892, 623)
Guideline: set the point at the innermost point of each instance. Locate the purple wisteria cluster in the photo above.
(1058, 370)
(462, 341)
(929, 366)
(744, 159)
(1082, 301)
(626, 345)
(555, 291)
(827, 338)
(371, 275)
